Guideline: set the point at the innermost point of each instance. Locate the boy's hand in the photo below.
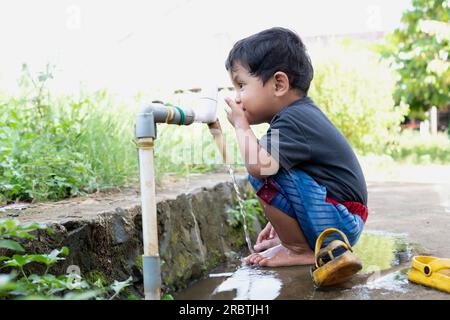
(235, 114)
(267, 238)
(267, 233)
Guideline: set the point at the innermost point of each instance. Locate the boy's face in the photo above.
(256, 99)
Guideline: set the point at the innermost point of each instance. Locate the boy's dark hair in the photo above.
(272, 50)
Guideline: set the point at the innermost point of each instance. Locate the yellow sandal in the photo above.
(330, 270)
(431, 271)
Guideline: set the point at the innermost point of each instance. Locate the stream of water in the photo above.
(241, 209)
(217, 133)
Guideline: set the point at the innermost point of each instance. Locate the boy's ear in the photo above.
(281, 82)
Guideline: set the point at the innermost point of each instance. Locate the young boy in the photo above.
(303, 170)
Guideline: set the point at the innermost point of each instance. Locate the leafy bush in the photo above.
(419, 51)
(355, 92)
(18, 284)
(56, 147)
(412, 147)
(52, 148)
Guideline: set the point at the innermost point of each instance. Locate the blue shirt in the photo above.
(308, 140)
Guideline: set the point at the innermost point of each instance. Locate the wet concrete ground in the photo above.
(405, 219)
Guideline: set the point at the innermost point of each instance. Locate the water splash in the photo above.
(251, 284)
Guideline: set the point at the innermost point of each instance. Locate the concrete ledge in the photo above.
(104, 232)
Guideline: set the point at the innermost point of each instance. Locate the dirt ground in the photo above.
(414, 200)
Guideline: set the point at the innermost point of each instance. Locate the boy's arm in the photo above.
(259, 163)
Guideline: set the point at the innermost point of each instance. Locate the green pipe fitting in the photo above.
(157, 112)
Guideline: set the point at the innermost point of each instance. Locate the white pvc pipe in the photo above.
(206, 113)
(206, 110)
(148, 201)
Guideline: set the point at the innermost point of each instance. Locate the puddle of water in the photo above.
(380, 251)
(385, 258)
(249, 283)
(392, 282)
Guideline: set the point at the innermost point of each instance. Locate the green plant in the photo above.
(22, 283)
(53, 147)
(167, 296)
(415, 148)
(56, 147)
(252, 210)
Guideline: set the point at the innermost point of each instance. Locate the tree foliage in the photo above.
(355, 91)
(419, 51)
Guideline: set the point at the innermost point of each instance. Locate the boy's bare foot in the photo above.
(280, 256)
(266, 244)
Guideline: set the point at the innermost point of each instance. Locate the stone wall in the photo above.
(194, 235)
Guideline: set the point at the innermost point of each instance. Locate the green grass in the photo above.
(54, 147)
(416, 149)
(71, 147)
